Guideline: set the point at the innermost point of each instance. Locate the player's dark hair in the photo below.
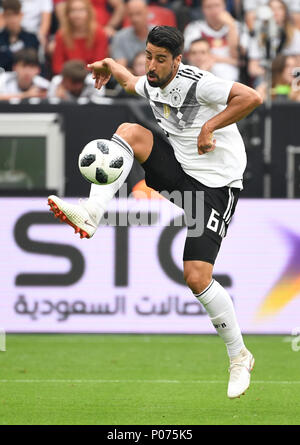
(167, 37)
(12, 5)
(27, 56)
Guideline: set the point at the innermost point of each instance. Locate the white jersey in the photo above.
(192, 98)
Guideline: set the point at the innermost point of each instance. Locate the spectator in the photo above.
(235, 7)
(138, 67)
(37, 18)
(251, 7)
(193, 6)
(200, 55)
(287, 41)
(1, 16)
(221, 31)
(110, 21)
(74, 83)
(157, 16)
(183, 10)
(13, 38)
(79, 37)
(24, 81)
(129, 41)
(283, 69)
(59, 10)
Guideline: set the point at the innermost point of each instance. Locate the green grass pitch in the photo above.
(143, 379)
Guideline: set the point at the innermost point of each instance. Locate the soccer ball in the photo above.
(101, 162)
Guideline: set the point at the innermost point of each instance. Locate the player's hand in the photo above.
(100, 72)
(206, 142)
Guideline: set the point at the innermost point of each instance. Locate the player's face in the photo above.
(161, 68)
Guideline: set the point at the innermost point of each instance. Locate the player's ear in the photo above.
(177, 60)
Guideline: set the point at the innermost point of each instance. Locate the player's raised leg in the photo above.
(219, 307)
(132, 140)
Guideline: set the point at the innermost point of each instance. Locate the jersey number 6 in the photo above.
(213, 222)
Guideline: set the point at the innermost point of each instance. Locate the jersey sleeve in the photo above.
(140, 86)
(213, 90)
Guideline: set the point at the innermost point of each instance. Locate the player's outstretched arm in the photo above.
(241, 101)
(103, 69)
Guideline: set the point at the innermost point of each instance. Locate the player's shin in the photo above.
(101, 195)
(220, 309)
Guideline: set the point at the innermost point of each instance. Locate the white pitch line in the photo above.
(201, 382)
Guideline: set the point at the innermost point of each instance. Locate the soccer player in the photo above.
(206, 153)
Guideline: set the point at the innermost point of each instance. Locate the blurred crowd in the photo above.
(45, 45)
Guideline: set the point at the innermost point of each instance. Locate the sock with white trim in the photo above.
(219, 307)
(101, 195)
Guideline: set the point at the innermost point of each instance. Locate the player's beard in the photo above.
(159, 82)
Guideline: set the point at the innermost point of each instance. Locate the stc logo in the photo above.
(76, 258)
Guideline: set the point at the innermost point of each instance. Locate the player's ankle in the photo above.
(94, 208)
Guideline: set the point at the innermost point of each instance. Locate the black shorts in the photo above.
(164, 173)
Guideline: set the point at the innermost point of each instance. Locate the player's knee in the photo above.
(133, 133)
(138, 137)
(123, 126)
(197, 279)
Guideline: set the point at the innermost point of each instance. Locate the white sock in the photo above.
(218, 305)
(101, 195)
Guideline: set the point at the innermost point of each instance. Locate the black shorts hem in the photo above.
(206, 260)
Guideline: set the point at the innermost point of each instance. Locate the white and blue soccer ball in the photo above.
(101, 162)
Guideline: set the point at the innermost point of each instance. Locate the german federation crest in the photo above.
(175, 98)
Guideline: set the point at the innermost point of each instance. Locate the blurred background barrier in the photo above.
(32, 152)
(51, 281)
(76, 125)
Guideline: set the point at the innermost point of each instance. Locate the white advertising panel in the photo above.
(129, 278)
